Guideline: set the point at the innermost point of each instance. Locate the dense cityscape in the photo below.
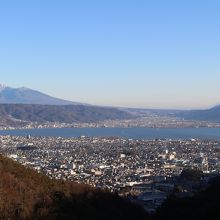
(145, 171)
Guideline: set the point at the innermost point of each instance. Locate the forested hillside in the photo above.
(26, 194)
(12, 114)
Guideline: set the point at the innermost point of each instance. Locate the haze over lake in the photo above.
(133, 133)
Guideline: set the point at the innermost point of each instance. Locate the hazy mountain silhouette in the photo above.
(212, 114)
(24, 95)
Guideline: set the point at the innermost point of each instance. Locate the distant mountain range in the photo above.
(212, 114)
(21, 105)
(24, 95)
(18, 114)
(30, 105)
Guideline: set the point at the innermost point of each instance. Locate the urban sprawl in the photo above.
(145, 171)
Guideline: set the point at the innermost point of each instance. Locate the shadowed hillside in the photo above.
(203, 206)
(26, 194)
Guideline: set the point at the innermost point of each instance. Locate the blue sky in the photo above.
(136, 53)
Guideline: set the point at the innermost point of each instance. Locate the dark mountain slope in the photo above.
(66, 114)
(26, 194)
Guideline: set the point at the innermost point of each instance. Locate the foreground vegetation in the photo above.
(203, 206)
(26, 194)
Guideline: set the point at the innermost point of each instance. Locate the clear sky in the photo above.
(136, 53)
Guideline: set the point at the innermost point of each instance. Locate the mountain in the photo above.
(19, 106)
(81, 112)
(24, 95)
(27, 195)
(15, 114)
(212, 114)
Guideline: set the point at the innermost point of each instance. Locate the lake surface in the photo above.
(133, 133)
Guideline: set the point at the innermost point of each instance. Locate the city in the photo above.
(138, 169)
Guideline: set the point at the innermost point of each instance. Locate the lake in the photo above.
(132, 133)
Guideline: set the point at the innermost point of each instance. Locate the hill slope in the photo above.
(10, 113)
(26, 194)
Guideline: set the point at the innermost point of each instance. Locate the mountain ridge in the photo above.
(26, 96)
(15, 114)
